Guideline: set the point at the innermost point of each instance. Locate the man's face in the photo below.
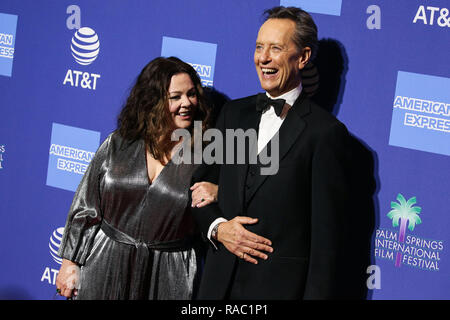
(277, 58)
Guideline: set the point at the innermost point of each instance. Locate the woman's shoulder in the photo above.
(117, 147)
(117, 142)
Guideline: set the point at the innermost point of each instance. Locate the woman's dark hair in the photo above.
(305, 34)
(146, 113)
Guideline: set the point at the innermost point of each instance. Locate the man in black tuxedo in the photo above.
(284, 235)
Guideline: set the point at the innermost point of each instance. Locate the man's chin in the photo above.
(269, 88)
(274, 92)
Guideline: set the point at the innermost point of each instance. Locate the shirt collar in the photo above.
(289, 96)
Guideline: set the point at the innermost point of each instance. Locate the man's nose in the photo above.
(264, 56)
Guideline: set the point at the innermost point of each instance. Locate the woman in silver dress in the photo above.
(129, 232)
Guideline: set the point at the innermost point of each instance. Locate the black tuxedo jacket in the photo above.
(301, 209)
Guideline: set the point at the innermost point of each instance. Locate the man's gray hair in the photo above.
(305, 34)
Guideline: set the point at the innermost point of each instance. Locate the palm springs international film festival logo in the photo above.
(421, 113)
(71, 150)
(403, 248)
(200, 55)
(8, 25)
(85, 48)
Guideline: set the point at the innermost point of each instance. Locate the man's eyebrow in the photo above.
(272, 43)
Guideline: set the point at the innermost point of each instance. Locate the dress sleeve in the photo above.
(85, 215)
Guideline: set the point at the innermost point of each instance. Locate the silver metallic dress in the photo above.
(133, 239)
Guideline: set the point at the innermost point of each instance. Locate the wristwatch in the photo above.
(214, 231)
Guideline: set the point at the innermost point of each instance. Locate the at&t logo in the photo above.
(432, 15)
(49, 274)
(2, 150)
(85, 48)
(55, 242)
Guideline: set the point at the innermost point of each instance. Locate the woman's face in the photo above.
(182, 100)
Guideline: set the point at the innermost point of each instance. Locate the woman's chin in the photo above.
(184, 124)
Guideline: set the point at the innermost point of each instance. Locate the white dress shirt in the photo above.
(268, 126)
(270, 123)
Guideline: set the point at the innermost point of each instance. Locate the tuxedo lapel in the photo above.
(289, 132)
(293, 125)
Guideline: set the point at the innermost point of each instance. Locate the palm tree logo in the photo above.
(406, 214)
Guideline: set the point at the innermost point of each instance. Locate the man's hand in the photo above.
(241, 242)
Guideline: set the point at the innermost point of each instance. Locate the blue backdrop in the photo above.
(66, 68)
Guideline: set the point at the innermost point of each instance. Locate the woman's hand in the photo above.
(68, 279)
(204, 193)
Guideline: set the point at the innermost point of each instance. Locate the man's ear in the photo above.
(304, 57)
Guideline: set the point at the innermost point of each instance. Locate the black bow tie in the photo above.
(263, 102)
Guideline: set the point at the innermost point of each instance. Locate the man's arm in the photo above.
(329, 221)
(206, 215)
(232, 234)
